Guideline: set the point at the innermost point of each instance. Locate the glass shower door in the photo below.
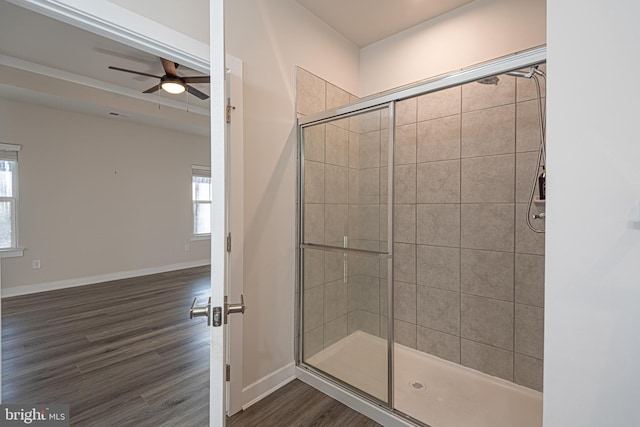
(345, 256)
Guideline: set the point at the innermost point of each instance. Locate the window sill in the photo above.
(11, 253)
(197, 237)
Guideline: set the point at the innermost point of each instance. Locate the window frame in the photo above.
(14, 250)
(198, 236)
(13, 202)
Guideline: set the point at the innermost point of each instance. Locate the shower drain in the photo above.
(416, 385)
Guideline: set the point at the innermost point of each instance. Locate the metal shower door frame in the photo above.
(490, 68)
(388, 255)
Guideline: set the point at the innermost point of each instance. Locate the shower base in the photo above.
(451, 395)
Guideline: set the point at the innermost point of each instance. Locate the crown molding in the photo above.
(117, 23)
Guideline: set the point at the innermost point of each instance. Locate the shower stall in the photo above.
(421, 244)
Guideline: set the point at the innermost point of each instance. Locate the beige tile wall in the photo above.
(465, 161)
(469, 274)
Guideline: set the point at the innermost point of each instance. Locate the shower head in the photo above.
(524, 74)
(491, 80)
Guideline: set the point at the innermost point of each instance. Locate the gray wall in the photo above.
(98, 196)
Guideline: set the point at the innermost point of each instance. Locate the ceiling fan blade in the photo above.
(195, 92)
(133, 72)
(152, 89)
(196, 79)
(169, 67)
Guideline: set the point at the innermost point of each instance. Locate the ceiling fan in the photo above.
(171, 82)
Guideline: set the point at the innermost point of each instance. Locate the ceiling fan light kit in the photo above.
(172, 85)
(171, 82)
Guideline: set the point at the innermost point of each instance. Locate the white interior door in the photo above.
(217, 395)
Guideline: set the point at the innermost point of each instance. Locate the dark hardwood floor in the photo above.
(299, 405)
(121, 353)
(125, 353)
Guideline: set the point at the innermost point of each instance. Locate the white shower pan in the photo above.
(427, 388)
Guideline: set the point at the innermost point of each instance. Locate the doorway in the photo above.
(126, 165)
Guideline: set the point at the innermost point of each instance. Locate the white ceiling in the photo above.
(47, 47)
(367, 21)
(34, 49)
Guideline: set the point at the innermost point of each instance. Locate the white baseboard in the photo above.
(267, 385)
(82, 281)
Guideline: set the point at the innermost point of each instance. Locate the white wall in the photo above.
(271, 37)
(592, 345)
(477, 32)
(98, 196)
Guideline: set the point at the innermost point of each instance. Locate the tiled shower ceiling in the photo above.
(367, 21)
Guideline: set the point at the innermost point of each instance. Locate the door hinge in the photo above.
(229, 242)
(229, 108)
(228, 373)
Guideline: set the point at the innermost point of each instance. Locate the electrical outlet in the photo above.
(35, 263)
(186, 248)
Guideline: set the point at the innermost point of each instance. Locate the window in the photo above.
(201, 196)
(8, 195)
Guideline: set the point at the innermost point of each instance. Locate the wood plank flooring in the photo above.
(121, 353)
(125, 353)
(299, 405)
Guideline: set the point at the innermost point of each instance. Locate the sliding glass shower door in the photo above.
(421, 282)
(345, 251)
